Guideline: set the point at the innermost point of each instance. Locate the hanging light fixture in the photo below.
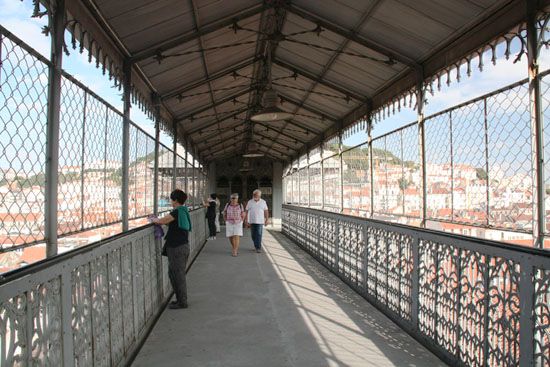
(253, 151)
(270, 111)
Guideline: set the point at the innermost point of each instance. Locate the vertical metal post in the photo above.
(308, 181)
(526, 306)
(452, 165)
(422, 139)
(415, 280)
(486, 128)
(175, 156)
(82, 158)
(156, 101)
(537, 143)
(52, 141)
(127, 90)
(371, 168)
(341, 171)
(322, 175)
(186, 147)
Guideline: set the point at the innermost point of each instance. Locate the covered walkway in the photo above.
(277, 308)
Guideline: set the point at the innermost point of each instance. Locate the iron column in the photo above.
(52, 140)
(127, 90)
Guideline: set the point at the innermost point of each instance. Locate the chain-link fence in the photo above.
(356, 185)
(478, 170)
(90, 168)
(23, 125)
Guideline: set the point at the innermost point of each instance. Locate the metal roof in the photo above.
(333, 60)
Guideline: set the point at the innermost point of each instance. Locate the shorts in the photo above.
(233, 229)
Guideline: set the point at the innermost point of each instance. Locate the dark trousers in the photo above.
(177, 262)
(212, 226)
(256, 234)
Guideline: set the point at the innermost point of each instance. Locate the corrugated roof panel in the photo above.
(331, 106)
(211, 10)
(151, 23)
(345, 12)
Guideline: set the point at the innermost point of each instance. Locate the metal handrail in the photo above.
(435, 285)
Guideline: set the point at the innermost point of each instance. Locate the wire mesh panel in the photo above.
(469, 149)
(379, 176)
(141, 173)
(510, 167)
(165, 178)
(411, 184)
(23, 100)
(331, 147)
(395, 181)
(545, 108)
(71, 156)
(94, 163)
(356, 181)
(331, 183)
(304, 186)
(180, 173)
(438, 168)
(315, 185)
(113, 167)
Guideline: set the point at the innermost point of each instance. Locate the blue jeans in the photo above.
(256, 233)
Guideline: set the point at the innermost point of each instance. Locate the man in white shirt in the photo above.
(257, 215)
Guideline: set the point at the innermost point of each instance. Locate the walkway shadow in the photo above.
(338, 309)
(277, 308)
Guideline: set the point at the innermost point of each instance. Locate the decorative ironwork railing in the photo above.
(91, 306)
(472, 302)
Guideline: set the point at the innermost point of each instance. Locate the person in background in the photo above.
(210, 206)
(233, 214)
(177, 249)
(217, 221)
(257, 215)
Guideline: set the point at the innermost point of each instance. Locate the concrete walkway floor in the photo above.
(276, 308)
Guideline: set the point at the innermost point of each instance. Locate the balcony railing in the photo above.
(472, 302)
(91, 306)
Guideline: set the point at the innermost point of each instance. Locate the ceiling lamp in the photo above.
(253, 151)
(270, 110)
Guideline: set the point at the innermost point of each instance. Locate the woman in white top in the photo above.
(233, 214)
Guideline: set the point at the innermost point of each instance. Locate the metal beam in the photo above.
(211, 106)
(351, 35)
(320, 80)
(222, 140)
(235, 145)
(280, 132)
(52, 141)
(273, 156)
(156, 101)
(212, 77)
(218, 121)
(266, 149)
(278, 142)
(307, 108)
(537, 143)
(127, 93)
(194, 34)
(220, 131)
